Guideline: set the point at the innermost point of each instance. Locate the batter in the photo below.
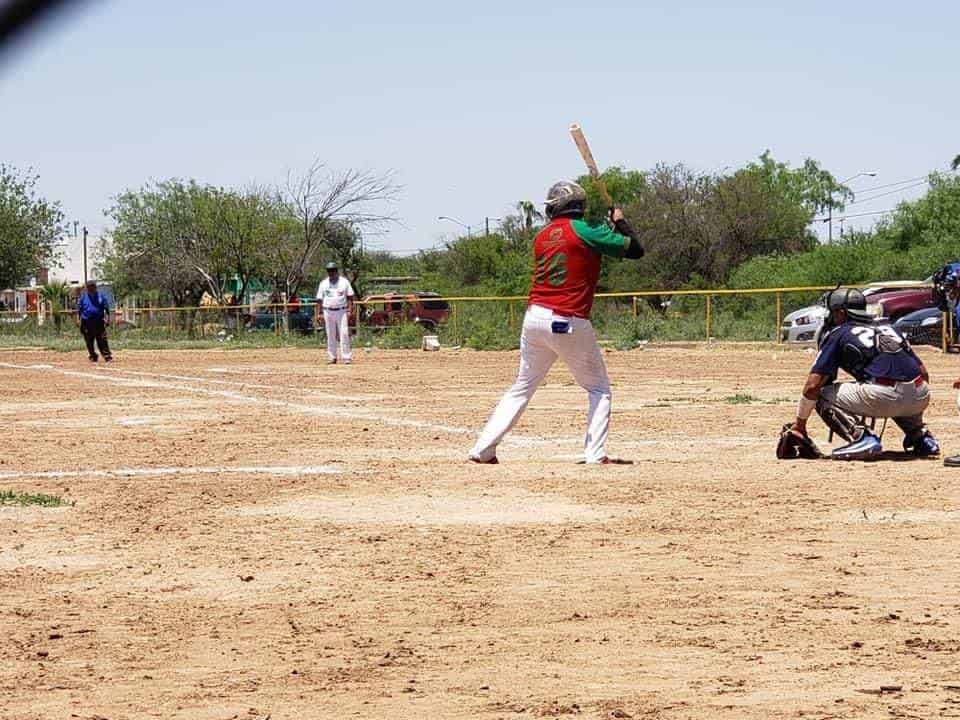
(567, 254)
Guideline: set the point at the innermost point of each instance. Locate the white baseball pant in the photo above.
(539, 348)
(337, 325)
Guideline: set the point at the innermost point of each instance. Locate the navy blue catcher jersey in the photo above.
(865, 352)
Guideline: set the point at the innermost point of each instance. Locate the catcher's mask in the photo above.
(851, 301)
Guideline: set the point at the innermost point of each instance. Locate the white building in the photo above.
(68, 264)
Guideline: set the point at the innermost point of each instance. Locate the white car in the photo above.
(800, 327)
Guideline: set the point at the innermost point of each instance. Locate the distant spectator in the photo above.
(93, 317)
(335, 295)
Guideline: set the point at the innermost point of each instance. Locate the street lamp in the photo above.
(454, 220)
(830, 214)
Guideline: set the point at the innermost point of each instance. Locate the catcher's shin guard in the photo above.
(843, 424)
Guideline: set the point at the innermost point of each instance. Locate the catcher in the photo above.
(890, 381)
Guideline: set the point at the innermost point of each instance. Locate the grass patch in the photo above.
(740, 399)
(9, 497)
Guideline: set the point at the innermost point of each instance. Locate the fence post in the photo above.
(708, 317)
(634, 303)
(777, 328)
(456, 329)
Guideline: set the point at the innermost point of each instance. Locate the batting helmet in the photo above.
(565, 198)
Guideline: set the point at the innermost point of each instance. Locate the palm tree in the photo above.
(56, 294)
(528, 211)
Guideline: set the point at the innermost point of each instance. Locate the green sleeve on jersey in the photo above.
(601, 239)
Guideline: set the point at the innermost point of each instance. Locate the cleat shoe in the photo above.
(332, 362)
(926, 447)
(491, 461)
(94, 358)
(952, 461)
(108, 358)
(867, 447)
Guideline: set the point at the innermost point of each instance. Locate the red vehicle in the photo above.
(424, 308)
(894, 304)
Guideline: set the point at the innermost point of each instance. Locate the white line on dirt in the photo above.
(242, 384)
(114, 377)
(515, 439)
(184, 471)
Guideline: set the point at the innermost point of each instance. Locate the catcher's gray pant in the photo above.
(841, 405)
(539, 348)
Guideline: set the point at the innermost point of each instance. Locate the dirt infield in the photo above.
(258, 535)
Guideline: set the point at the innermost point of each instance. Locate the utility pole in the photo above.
(830, 221)
(85, 276)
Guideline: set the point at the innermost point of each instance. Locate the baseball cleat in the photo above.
(867, 447)
(332, 362)
(926, 447)
(952, 461)
(491, 461)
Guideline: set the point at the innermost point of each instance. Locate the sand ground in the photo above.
(256, 534)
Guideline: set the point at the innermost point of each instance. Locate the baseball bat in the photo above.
(577, 134)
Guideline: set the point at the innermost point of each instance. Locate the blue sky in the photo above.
(470, 102)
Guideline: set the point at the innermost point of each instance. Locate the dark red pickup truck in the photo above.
(894, 304)
(424, 308)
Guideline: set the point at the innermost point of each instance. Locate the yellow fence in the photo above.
(723, 314)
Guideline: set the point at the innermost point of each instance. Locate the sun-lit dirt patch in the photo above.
(500, 508)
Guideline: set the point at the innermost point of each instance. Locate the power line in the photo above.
(889, 192)
(893, 184)
(863, 214)
(856, 215)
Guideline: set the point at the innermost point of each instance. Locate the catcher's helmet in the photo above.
(566, 198)
(851, 300)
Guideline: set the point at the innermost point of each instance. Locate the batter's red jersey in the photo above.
(567, 264)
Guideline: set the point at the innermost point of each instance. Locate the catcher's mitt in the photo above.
(790, 446)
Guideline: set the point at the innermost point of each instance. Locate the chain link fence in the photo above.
(622, 320)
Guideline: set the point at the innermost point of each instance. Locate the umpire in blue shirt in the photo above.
(93, 316)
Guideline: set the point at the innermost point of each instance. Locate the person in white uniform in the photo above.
(335, 295)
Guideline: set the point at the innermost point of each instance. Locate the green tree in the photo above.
(955, 165)
(186, 239)
(624, 186)
(29, 225)
(56, 294)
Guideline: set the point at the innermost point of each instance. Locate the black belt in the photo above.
(336, 309)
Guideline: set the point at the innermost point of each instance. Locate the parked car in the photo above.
(889, 300)
(301, 318)
(921, 327)
(891, 306)
(427, 309)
